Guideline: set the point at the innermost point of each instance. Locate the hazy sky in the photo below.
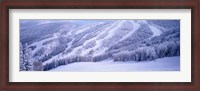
(49, 21)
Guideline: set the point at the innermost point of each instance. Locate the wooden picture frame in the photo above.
(100, 4)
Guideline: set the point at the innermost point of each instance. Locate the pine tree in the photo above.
(22, 63)
(27, 57)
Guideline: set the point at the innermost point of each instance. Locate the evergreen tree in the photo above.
(22, 63)
(27, 57)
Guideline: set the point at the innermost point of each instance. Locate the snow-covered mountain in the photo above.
(54, 41)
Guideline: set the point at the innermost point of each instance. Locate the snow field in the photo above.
(162, 64)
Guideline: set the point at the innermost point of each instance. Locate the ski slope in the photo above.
(163, 64)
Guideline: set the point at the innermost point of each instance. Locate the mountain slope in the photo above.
(54, 41)
(39, 32)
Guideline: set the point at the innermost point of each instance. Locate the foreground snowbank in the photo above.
(163, 64)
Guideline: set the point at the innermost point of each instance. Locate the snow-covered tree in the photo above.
(27, 57)
(22, 63)
(151, 53)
